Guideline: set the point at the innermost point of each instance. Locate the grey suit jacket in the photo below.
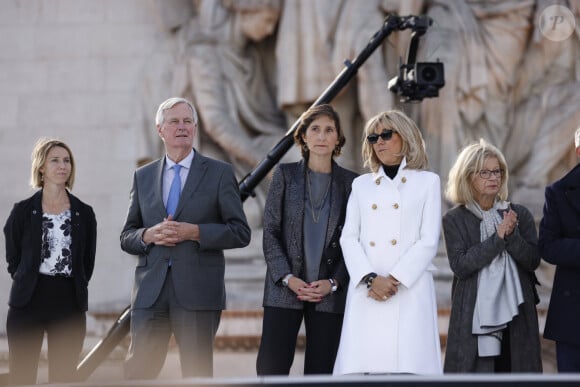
(210, 199)
(283, 236)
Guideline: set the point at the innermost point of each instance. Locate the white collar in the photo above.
(186, 162)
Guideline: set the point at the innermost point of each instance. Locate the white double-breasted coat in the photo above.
(392, 227)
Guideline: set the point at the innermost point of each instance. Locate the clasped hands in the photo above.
(508, 224)
(170, 232)
(383, 288)
(310, 292)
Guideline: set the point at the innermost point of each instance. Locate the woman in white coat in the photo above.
(389, 239)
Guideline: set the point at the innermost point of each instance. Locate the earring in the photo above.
(305, 148)
(336, 151)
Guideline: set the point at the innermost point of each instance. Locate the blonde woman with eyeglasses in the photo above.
(492, 246)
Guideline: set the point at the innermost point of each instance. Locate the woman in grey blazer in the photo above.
(492, 246)
(306, 277)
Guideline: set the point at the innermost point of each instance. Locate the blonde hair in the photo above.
(469, 162)
(38, 157)
(413, 148)
(577, 138)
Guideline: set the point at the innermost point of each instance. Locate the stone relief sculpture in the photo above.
(222, 59)
(507, 83)
(231, 83)
(503, 80)
(310, 56)
(253, 66)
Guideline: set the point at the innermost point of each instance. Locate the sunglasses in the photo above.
(385, 135)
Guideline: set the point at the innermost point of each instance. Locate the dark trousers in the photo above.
(151, 330)
(280, 328)
(52, 310)
(567, 357)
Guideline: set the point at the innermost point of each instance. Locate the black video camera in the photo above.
(417, 81)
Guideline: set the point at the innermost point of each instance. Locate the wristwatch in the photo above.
(285, 279)
(369, 278)
(334, 286)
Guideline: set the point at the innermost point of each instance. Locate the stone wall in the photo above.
(70, 69)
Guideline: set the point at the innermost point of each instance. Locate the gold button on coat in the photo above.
(404, 179)
(372, 244)
(396, 206)
(378, 181)
(374, 206)
(394, 242)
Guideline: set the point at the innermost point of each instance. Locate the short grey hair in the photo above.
(168, 104)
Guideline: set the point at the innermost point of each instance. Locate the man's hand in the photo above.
(170, 233)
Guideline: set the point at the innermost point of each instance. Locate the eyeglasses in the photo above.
(486, 173)
(385, 135)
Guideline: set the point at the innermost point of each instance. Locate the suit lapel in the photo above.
(36, 226)
(572, 188)
(336, 199)
(158, 182)
(296, 189)
(196, 172)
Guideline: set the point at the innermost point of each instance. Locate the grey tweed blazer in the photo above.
(283, 236)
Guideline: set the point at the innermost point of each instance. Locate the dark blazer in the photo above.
(210, 199)
(560, 246)
(283, 236)
(467, 256)
(23, 234)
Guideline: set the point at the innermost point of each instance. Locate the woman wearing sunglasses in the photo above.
(389, 239)
(492, 249)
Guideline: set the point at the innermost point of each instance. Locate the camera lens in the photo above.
(428, 74)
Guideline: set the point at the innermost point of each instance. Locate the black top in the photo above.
(391, 170)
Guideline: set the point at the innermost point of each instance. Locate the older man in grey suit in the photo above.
(184, 209)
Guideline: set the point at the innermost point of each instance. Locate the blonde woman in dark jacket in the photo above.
(492, 246)
(50, 250)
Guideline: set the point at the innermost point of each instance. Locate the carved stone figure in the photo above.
(504, 83)
(222, 60)
(311, 55)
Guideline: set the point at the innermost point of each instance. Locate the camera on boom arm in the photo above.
(417, 80)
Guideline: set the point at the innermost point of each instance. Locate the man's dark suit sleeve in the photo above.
(234, 231)
(556, 247)
(133, 228)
